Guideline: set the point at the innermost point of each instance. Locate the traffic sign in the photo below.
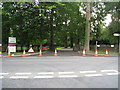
(31, 50)
(12, 44)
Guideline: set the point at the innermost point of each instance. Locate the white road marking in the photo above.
(109, 71)
(65, 72)
(92, 75)
(67, 76)
(43, 77)
(17, 77)
(112, 73)
(1, 77)
(60, 74)
(88, 71)
(46, 73)
(23, 73)
(4, 73)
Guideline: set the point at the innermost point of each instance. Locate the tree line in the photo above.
(68, 24)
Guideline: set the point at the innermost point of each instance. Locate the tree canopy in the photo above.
(57, 23)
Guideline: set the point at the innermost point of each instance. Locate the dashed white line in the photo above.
(109, 71)
(1, 77)
(46, 73)
(67, 76)
(43, 77)
(65, 72)
(92, 75)
(88, 71)
(4, 73)
(112, 73)
(17, 77)
(23, 73)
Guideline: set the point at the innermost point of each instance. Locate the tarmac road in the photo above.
(60, 72)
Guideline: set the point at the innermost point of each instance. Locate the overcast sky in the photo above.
(108, 19)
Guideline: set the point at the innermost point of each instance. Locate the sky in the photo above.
(108, 19)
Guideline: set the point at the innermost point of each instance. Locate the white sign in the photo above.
(98, 45)
(112, 45)
(12, 44)
(31, 50)
(12, 48)
(116, 34)
(12, 40)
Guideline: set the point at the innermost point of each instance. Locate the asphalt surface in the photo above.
(60, 72)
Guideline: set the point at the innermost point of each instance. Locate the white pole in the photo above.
(55, 51)
(119, 44)
(8, 51)
(96, 44)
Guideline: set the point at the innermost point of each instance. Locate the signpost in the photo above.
(12, 44)
(118, 35)
(96, 44)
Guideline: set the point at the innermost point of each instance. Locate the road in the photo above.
(60, 72)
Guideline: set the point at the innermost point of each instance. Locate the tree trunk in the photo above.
(87, 32)
(51, 32)
(78, 44)
(65, 41)
(51, 40)
(71, 42)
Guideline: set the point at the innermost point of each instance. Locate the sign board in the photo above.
(12, 40)
(98, 45)
(112, 45)
(12, 44)
(31, 50)
(44, 48)
(12, 48)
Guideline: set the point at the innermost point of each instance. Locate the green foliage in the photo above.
(113, 9)
(54, 22)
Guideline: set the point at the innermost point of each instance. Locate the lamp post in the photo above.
(118, 35)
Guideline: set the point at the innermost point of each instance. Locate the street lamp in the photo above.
(118, 35)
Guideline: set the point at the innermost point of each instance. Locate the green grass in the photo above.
(23, 48)
(26, 48)
(68, 47)
(16, 53)
(60, 47)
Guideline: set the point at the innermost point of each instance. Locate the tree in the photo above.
(54, 23)
(87, 32)
(113, 9)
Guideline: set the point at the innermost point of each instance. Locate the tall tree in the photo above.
(87, 32)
